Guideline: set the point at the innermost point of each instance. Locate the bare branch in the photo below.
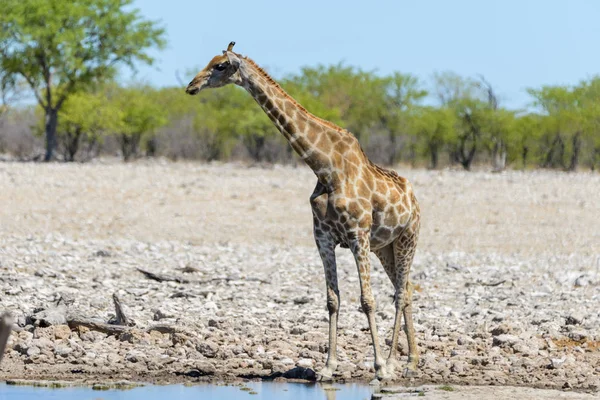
(179, 80)
(492, 98)
(121, 318)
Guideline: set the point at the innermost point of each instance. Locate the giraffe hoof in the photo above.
(383, 373)
(409, 372)
(325, 375)
(392, 366)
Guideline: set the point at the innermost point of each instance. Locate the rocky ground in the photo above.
(507, 276)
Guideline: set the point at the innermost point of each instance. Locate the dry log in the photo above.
(95, 325)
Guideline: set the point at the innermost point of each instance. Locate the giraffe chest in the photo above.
(342, 217)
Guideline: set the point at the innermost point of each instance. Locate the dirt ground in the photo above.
(507, 276)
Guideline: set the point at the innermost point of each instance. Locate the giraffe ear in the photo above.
(233, 58)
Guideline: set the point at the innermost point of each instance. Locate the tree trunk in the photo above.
(595, 157)
(71, 144)
(392, 155)
(91, 148)
(434, 154)
(524, 154)
(151, 146)
(51, 124)
(555, 154)
(255, 145)
(499, 156)
(465, 157)
(412, 153)
(129, 145)
(576, 151)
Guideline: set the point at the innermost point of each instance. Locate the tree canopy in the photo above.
(62, 47)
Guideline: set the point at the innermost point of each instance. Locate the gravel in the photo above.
(507, 275)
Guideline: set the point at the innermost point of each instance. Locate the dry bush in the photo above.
(275, 149)
(17, 136)
(180, 140)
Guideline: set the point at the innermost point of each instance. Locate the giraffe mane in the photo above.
(277, 86)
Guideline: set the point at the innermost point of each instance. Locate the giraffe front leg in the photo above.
(361, 248)
(326, 248)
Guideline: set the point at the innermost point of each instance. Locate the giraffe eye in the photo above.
(222, 66)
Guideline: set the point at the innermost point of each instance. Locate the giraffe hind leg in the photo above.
(387, 259)
(404, 251)
(396, 260)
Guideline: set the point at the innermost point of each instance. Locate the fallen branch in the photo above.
(485, 284)
(162, 277)
(5, 327)
(166, 329)
(493, 283)
(232, 278)
(172, 278)
(95, 325)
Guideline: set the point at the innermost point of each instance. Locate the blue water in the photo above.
(264, 391)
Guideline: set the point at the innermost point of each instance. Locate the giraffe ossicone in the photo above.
(355, 204)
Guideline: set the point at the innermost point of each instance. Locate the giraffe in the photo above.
(355, 204)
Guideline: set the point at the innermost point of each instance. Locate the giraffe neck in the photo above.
(310, 137)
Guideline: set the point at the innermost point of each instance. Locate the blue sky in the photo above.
(514, 44)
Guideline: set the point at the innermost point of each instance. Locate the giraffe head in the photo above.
(220, 71)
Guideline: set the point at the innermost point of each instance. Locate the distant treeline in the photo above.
(66, 54)
(386, 113)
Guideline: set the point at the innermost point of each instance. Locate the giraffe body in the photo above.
(355, 204)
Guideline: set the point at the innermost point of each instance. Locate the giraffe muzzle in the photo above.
(196, 85)
(192, 89)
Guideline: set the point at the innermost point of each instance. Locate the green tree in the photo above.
(140, 114)
(563, 125)
(588, 99)
(498, 125)
(465, 98)
(62, 47)
(10, 91)
(85, 117)
(403, 91)
(433, 128)
(359, 96)
(524, 138)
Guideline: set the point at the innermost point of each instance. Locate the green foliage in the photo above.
(523, 139)
(85, 117)
(63, 47)
(563, 124)
(433, 127)
(359, 96)
(138, 113)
